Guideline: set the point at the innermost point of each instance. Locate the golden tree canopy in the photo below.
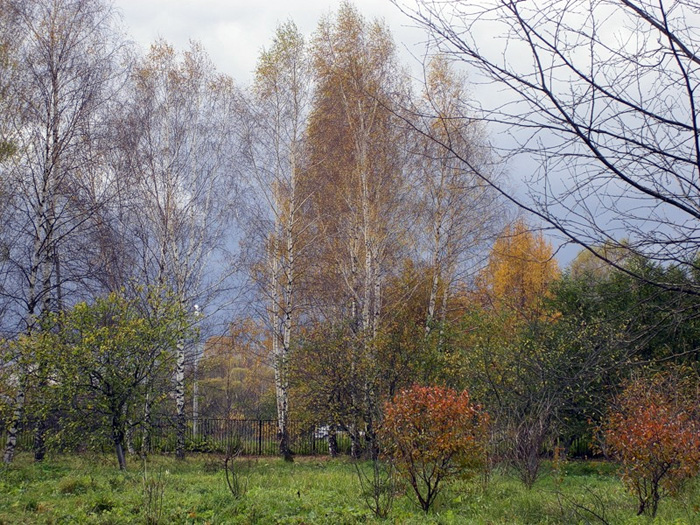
(520, 269)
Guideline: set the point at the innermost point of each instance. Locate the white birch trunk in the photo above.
(195, 400)
(13, 429)
(283, 404)
(353, 281)
(432, 300)
(146, 434)
(277, 319)
(180, 399)
(443, 306)
(37, 273)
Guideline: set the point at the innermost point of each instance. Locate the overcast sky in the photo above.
(234, 31)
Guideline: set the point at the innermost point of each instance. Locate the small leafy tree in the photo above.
(433, 434)
(653, 430)
(109, 350)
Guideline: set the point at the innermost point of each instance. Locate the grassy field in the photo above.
(90, 489)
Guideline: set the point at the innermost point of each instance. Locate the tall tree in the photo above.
(520, 270)
(7, 38)
(67, 49)
(279, 120)
(175, 156)
(356, 156)
(460, 211)
(8, 69)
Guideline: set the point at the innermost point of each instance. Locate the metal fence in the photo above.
(255, 437)
(251, 437)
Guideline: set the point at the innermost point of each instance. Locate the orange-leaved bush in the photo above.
(433, 434)
(653, 430)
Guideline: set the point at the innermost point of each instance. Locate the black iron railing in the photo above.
(256, 437)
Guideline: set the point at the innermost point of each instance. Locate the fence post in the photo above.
(260, 436)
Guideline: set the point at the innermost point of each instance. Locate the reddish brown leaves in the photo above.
(654, 432)
(433, 433)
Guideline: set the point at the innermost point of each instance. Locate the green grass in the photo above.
(90, 489)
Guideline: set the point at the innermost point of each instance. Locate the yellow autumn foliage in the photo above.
(520, 269)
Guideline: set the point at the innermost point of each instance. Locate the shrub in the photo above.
(236, 479)
(378, 488)
(153, 496)
(433, 434)
(653, 431)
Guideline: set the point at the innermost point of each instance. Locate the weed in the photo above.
(212, 464)
(102, 503)
(593, 509)
(235, 480)
(378, 488)
(153, 492)
(116, 482)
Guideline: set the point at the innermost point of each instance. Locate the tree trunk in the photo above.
(443, 316)
(287, 328)
(40, 427)
(181, 423)
(13, 428)
(146, 432)
(195, 399)
(333, 441)
(432, 300)
(283, 436)
(280, 318)
(129, 437)
(355, 444)
(33, 302)
(40, 439)
(129, 433)
(281, 390)
(118, 439)
(655, 497)
(372, 442)
(41, 368)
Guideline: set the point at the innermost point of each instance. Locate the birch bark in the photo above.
(65, 52)
(176, 148)
(356, 154)
(281, 94)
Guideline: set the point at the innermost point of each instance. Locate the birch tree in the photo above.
(460, 212)
(7, 146)
(67, 51)
(176, 153)
(7, 68)
(282, 95)
(357, 156)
